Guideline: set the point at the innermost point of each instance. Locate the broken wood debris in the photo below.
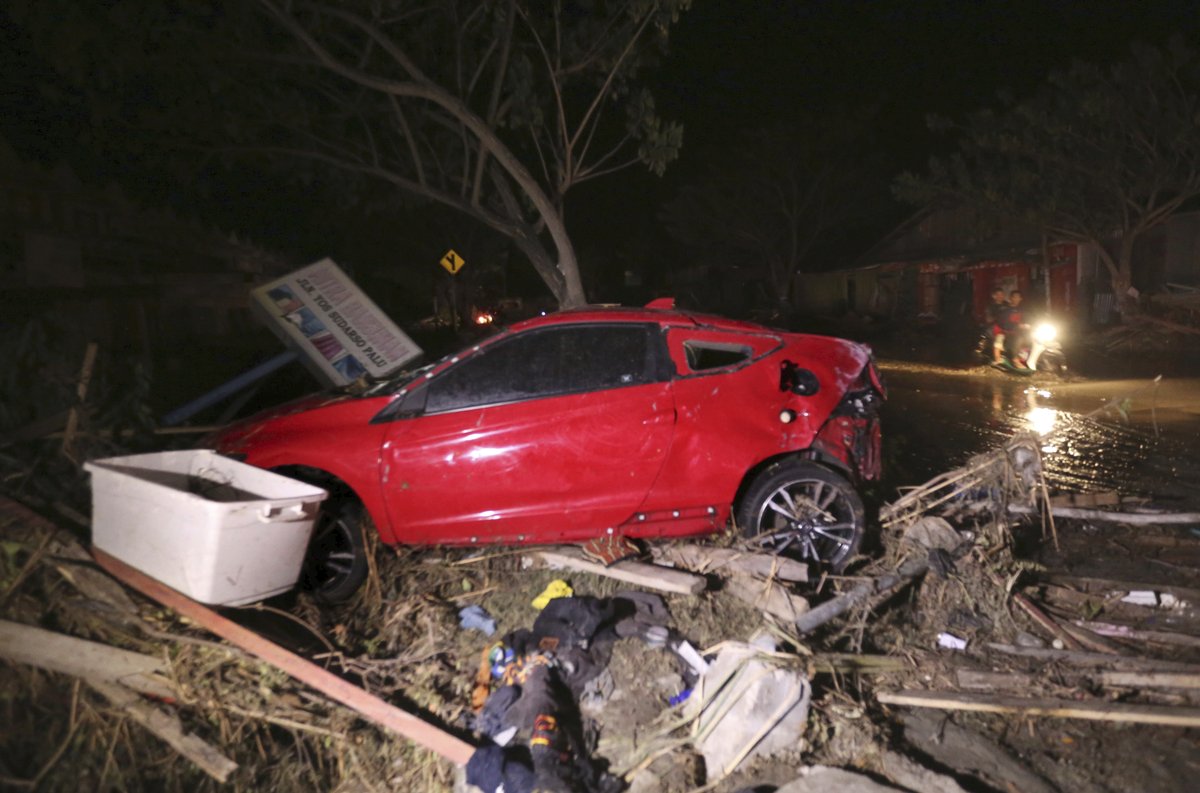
(168, 727)
(701, 559)
(1042, 619)
(56, 652)
(1143, 518)
(964, 749)
(371, 707)
(1087, 659)
(760, 579)
(1039, 675)
(120, 676)
(81, 389)
(1044, 706)
(766, 595)
(663, 579)
(1135, 634)
(880, 586)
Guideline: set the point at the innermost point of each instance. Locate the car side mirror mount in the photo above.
(797, 380)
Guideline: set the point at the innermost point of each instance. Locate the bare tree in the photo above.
(495, 108)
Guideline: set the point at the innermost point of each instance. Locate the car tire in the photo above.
(335, 564)
(825, 519)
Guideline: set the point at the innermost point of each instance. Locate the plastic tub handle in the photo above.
(290, 513)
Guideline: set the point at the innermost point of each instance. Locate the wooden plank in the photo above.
(827, 663)
(769, 596)
(910, 569)
(701, 559)
(56, 652)
(167, 727)
(1126, 632)
(81, 389)
(1107, 499)
(1149, 679)
(1066, 709)
(664, 579)
(1105, 585)
(990, 681)
(1047, 624)
(1111, 516)
(382, 713)
(1094, 659)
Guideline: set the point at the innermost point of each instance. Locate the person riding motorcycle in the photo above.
(1013, 332)
(992, 330)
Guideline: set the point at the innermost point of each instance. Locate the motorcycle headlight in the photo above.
(1045, 332)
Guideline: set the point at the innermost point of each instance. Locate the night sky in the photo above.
(734, 65)
(737, 64)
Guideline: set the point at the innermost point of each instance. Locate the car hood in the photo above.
(304, 413)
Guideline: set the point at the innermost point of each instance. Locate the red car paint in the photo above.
(657, 443)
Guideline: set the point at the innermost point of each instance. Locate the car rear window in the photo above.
(698, 351)
(704, 355)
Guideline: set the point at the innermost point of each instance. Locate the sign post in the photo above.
(452, 263)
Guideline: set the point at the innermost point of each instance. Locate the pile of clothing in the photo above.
(537, 739)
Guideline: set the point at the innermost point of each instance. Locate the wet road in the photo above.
(1147, 441)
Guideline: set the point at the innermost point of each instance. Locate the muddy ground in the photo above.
(401, 638)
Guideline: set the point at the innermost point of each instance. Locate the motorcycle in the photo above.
(1038, 351)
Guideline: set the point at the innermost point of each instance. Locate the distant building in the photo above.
(942, 265)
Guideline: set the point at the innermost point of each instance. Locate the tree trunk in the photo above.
(562, 278)
(1120, 274)
(1122, 279)
(573, 294)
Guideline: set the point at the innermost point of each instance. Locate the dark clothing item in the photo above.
(995, 311)
(494, 768)
(1011, 319)
(569, 644)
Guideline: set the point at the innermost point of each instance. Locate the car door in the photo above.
(727, 397)
(554, 433)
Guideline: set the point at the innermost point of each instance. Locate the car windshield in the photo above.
(398, 380)
(390, 384)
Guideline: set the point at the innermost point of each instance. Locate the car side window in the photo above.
(702, 355)
(700, 351)
(548, 362)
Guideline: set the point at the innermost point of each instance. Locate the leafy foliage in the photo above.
(1098, 155)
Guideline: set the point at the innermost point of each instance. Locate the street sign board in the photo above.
(340, 332)
(452, 262)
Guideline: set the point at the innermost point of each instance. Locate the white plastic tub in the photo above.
(219, 531)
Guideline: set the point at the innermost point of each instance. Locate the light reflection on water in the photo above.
(934, 423)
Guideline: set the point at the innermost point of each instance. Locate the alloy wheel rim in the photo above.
(810, 518)
(334, 554)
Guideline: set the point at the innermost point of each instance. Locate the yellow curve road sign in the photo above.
(452, 262)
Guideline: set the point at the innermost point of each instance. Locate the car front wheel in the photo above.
(805, 511)
(335, 565)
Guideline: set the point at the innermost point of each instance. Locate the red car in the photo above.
(645, 423)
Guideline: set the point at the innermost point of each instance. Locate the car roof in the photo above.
(661, 316)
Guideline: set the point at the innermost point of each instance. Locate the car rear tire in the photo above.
(335, 565)
(806, 511)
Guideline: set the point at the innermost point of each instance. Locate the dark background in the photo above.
(734, 66)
